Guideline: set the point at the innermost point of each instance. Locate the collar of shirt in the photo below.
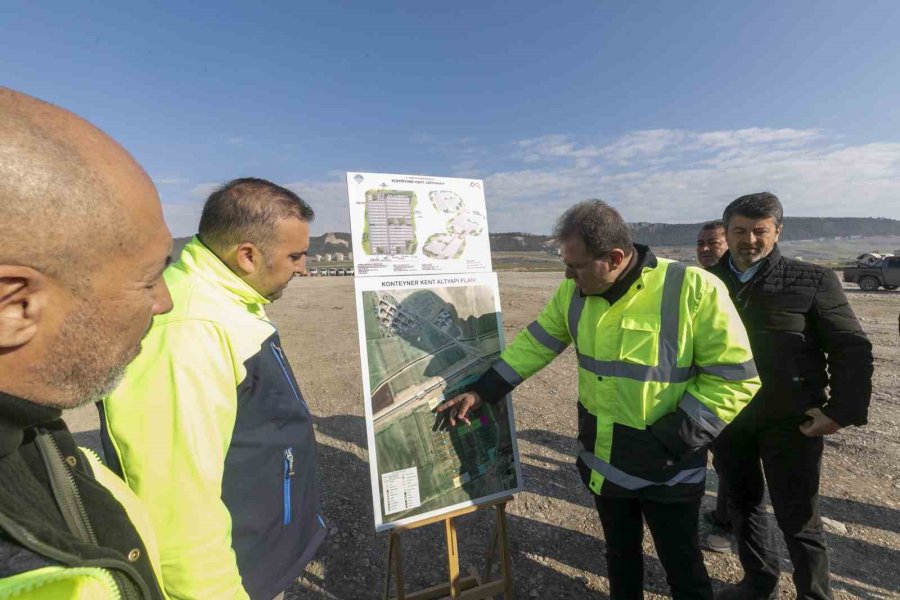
(744, 276)
(17, 415)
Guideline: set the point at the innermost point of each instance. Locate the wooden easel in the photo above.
(471, 587)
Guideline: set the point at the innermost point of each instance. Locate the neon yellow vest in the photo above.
(674, 340)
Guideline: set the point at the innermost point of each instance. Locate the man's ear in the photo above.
(23, 298)
(616, 256)
(249, 257)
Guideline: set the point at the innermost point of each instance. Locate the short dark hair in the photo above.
(709, 225)
(755, 206)
(597, 224)
(248, 210)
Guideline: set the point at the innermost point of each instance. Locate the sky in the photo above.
(667, 110)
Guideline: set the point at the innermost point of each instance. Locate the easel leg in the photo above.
(452, 557)
(489, 556)
(395, 564)
(471, 587)
(504, 552)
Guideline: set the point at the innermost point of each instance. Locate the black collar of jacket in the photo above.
(17, 415)
(643, 259)
(723, 267)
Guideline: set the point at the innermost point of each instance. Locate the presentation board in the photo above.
(414, 224)
(424, 339)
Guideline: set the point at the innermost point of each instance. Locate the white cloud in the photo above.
(659, 175)
(755, 136)
(182, 218)
(328, 198)
(203, 190)
(169, 180)
(683, 176)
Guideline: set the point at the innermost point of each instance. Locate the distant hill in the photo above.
(327, 243)
(652, 234)
(795, 228)
(521, 242)
(330, 243)
(681, 234)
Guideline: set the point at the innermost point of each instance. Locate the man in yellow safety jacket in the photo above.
(209, 426)
(664, 364)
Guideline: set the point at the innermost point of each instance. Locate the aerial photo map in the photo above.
(423, 345)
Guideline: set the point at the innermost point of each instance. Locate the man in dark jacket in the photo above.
(711, 245)
(805, 338)
(84, 247)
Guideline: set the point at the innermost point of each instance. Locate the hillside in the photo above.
(795, 228)
(322, 244)
(821, 229)
(684, 234)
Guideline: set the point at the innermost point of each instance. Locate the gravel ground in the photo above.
(556, 542)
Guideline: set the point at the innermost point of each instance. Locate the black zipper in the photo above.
(66, 493)
(68, 498)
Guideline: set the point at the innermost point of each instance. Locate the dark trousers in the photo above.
(791, 463)
(721, 512)
(674, 530)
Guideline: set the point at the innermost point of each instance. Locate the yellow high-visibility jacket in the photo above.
(210, 429)
(661, 371)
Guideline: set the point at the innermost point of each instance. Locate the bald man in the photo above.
(84, 248)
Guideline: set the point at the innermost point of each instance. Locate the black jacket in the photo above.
(41, 470)
(805, 338)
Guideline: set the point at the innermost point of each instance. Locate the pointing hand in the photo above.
(460, 407)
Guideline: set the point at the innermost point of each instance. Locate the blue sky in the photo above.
(668, 110)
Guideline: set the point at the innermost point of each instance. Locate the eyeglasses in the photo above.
(586, 263)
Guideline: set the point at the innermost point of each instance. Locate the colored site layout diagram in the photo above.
(417, 224)
(463, 223)
(424, 346)
(390, 224)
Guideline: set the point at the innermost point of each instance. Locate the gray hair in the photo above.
(597, 224)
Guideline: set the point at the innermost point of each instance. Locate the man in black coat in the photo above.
(815, 363)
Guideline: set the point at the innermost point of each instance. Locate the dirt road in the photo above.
(557, 545)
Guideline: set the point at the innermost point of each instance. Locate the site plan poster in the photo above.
(424, 339)
(415, 224)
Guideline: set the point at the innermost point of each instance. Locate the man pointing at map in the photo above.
(664, 364)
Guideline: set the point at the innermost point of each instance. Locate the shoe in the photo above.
(744, 591)
(710, 517)
(718, 542)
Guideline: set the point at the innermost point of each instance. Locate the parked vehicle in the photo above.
(873, 271)
(332, 271)
(341, 271)
(312, 272)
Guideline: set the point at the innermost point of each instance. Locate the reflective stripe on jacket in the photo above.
(212, 432)
(661, 371)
